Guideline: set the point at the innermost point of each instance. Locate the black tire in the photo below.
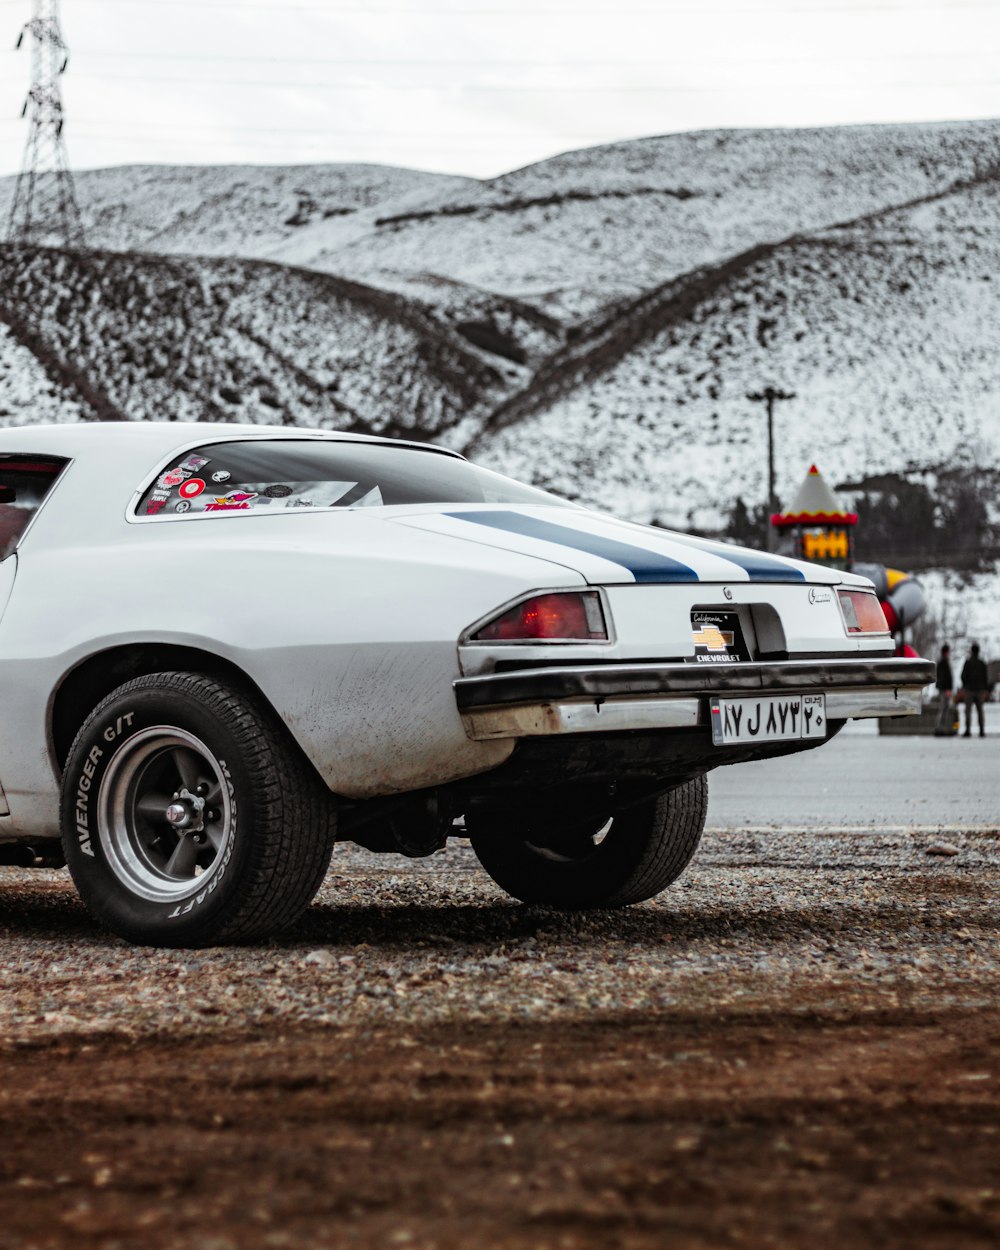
(638, 854)
(188, 818)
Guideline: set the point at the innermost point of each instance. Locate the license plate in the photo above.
(770, 718)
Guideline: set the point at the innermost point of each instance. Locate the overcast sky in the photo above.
(482, 86)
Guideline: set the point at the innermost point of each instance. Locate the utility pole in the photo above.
(45, 209)
(770, 397)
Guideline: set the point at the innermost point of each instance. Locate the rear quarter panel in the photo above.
(346, 623)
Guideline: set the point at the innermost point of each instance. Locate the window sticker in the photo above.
(277, 475)
(274, 495)
(234, 501)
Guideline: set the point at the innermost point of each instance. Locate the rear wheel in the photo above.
(628, 858)
(188, 819)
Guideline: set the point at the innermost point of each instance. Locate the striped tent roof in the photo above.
(815, 504)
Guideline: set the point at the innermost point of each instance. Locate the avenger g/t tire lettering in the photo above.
(187, 817)
(638, 853)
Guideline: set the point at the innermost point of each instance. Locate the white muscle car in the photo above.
(223, 648)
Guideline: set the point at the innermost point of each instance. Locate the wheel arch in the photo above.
(84, 686)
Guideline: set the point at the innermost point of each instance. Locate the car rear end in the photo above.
(774, 658)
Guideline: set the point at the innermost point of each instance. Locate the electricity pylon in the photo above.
(45, 210)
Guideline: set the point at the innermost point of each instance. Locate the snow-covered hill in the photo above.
(181, 339)
(238, 210)
(580, 231)
(568, 235)
(593, 322)
(28, 395)
(885, 331)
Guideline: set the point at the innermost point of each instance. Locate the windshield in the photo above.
(276, 475)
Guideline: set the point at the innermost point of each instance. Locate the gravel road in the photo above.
(390, 940)
(797, 1044)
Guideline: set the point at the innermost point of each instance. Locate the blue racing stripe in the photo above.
(760, 567)
(645, 566)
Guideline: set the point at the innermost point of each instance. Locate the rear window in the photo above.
(277, 475)
(24, 483)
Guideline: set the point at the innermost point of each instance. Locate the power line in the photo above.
(465, 13)
(113, 129)
(96, 125)
(583, 62)
(589, 88)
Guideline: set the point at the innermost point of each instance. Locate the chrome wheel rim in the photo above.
(165, 814)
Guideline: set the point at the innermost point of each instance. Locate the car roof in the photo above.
(158, 438)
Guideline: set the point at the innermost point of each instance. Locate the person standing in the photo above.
(945, 685)
(974, 683)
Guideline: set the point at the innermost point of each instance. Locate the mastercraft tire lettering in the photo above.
(188, 818)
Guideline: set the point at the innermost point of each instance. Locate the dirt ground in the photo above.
(853, 1129)
(796, 1046)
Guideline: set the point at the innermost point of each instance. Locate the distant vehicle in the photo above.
(223, 648)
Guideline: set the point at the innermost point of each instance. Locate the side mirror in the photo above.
(7, 494)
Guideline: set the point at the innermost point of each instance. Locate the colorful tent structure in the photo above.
(822, 530)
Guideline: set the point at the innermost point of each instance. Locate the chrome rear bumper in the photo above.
(612, 698)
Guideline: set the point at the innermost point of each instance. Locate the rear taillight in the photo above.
(862, 612)
(574, 616)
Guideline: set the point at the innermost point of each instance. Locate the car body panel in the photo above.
(608, 551)
(326, 671)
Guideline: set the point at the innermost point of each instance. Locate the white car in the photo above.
(223, 648)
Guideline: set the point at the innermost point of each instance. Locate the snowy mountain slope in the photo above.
(596, 345)
(575, 232)
(570, 235)
(28, 394)
(579, 231)
(186, 338)
(237, 210)
(885, 329)
(654, 283)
